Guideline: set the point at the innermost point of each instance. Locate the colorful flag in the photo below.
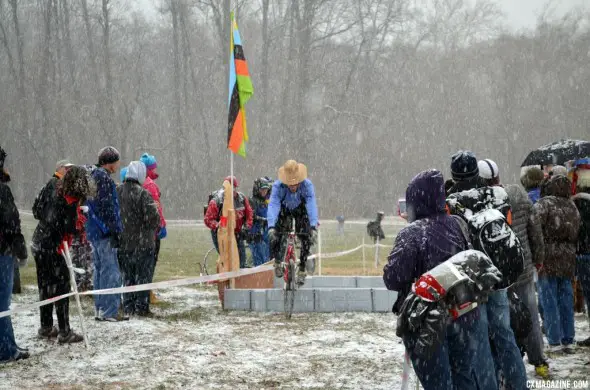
(240, 91)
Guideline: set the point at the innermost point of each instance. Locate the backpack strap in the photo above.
(464, 229)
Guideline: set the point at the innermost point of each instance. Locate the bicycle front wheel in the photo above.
(289, 289)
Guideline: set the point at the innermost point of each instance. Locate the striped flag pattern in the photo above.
(240, 91)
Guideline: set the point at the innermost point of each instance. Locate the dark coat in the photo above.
(12, 242)
(431, 239)
(560, 221)
(58, 221)
(45, 198)
(139, 213)
(527, 228)
(582, 202)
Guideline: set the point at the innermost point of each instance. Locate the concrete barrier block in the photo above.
(274, 300)
(258, 300)
(344, 300)
(237, 299)
(369, 282)
(304, 300)
(279, 282)
(334, 282)
(383, 300)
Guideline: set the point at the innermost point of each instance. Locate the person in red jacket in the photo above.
(154, 190)
(244, 217)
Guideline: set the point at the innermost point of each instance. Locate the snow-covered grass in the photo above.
(192, 344)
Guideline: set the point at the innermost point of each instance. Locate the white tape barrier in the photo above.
(145, 287)
(178, 282)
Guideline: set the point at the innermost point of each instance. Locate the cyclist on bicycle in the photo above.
(292, 197)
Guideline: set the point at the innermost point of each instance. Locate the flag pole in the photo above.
(231, 154)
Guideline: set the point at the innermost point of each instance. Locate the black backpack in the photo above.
(491, 234)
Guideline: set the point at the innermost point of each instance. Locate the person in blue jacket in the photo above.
(292, 198)
(103, 230)
(258, 234)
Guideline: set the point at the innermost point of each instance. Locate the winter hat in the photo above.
(558, 170)
(532, 178)
(488, 169)
(236, 182)
(108, 155)
(123, 174)
(464, 166)
(149, 161)
(136, 171)
(63, 164)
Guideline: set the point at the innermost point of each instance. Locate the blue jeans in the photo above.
(260, 251)
(557, 295)
(241, 247)
(583, 272)
(451, 367)
(7, 343)
(504, 349)
(106, 275)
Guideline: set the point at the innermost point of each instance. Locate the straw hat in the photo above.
(292, 173)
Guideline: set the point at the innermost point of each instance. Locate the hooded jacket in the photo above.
(139, 212)
(582, 202)
(431, 238)
(525, 224)
(560, 221)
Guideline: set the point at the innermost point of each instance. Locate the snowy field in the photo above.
(192, 344)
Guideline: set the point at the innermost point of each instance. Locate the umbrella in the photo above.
(558, 153)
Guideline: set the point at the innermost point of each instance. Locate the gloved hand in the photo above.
(162, 233)
(115, 240)
(84, 209)
(313, 236)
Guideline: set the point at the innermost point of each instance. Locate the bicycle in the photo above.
(290, 265)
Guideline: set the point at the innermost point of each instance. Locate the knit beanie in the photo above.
(108, 155)
(464, 166)
(149, 161)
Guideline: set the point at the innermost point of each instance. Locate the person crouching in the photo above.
(141, 220)
(57, 226)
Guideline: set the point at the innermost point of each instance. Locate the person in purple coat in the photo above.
(432, 238)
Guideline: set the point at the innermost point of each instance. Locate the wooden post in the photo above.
(229, 259)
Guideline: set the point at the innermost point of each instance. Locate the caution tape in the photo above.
(180, 282)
